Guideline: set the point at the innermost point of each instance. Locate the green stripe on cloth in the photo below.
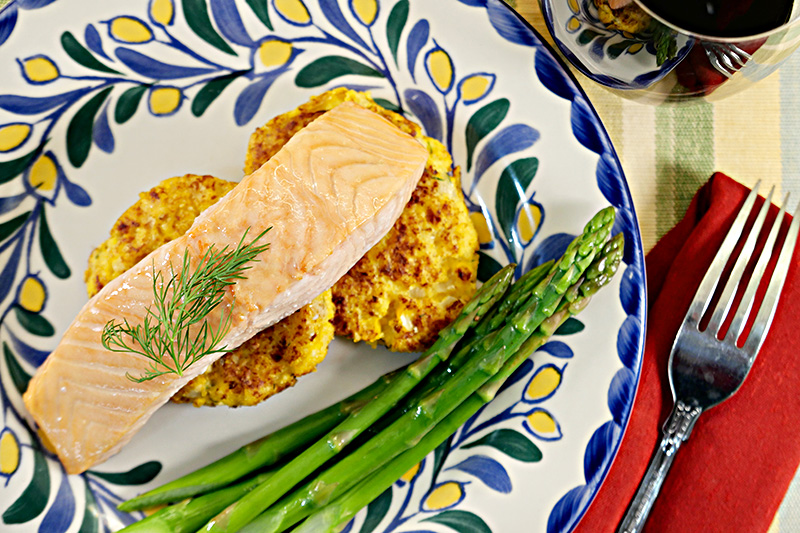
(684, 157)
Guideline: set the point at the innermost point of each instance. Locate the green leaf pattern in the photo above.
(196, 13)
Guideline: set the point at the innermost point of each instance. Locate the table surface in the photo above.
(668, 151)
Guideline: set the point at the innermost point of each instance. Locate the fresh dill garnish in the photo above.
(174, 333)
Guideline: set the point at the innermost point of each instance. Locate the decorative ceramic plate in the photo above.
(610, 57)
(101, 100)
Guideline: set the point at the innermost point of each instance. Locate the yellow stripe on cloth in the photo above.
(747, 136)
(638, 150)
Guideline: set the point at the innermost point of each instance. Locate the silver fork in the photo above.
(727, 58)
(705, 370)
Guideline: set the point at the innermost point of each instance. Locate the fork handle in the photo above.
(676, 430)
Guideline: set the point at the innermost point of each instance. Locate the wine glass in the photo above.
(653, 53)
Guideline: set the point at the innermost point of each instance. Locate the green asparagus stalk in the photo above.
(523, 285)
(345, 507)
(488, 357)
(516, 297)
(575, 300)
(240, 513)
(189, 515)
(258, 454)
(516, 292)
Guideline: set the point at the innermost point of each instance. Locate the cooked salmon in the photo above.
(420, 275)
(329, 195)
(616, 4)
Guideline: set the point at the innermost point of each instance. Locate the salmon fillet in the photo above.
(329, 195)
(616, 4)
(266, 363)
(420, 275)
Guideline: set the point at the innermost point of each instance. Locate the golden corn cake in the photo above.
(419, 276)
(266, 364)
(629, 18)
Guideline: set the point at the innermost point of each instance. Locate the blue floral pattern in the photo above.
(165, 60)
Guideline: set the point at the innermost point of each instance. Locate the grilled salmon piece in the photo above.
(266, 363)
(329, 195)
(420, 275)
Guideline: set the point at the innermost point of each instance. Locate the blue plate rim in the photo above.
(639, 259)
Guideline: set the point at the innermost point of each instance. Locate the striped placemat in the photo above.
(668, 151)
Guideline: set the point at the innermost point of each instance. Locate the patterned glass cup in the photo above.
(643, 56)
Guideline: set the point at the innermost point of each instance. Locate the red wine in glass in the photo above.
(722, 18)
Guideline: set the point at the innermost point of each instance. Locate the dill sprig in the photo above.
(167, 335)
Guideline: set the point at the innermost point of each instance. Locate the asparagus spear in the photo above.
(575, 300)
(345, 507)
(243, 511)
(258, 454)
(189, 515)
(487, 357)
(516, 297)
(268, 450)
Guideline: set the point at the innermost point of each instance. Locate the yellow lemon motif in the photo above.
(165, 100)
(40, 69)
(440, 68)
(275, 53)
(9, 452)
(475, 87)
(409, 476)
(162, 11)
(481, 227)
(541, 422)
(294, 11)
(574, 7)
(130, 30)
(32, 295)
(13, 135)
(43, 174)
(573, 24)
(544, 383)
(444, 496)
(528, 220)
(366, 11)
(635, 48)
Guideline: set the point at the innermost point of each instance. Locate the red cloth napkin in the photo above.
(733, 472)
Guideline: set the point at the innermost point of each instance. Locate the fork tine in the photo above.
(740, 318)
(770, 303)
(715, 58)
(738, 54)
(727, 60)
(741, 51)
(735, 278)
(706, 290)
